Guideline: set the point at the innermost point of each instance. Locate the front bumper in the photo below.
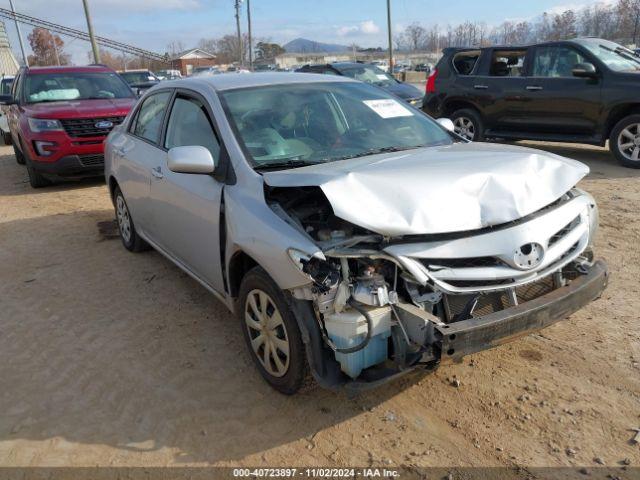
(465, 337)
(73, 166)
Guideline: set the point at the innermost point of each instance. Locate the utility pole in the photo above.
(390, 37)
(24, 55)
(94, 45)
(635, 28)
(249, 33)
(241, 56)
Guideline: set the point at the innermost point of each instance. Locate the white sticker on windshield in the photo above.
(388, 108)
(381, 76)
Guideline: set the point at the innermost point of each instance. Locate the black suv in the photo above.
(369, 73)
(582, 91)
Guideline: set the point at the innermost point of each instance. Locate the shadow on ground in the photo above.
(101, 346)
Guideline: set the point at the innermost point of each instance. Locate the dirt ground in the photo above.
(114, 359)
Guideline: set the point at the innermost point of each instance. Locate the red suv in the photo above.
(60, 116)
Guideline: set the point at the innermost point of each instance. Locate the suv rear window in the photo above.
(464, 62)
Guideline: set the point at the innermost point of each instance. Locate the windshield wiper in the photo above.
(374, 151)
(285, 164)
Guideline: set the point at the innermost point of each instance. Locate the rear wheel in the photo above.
(468, 124)
(624, 141)
(6, 137)
(271, 333)
(130, 238)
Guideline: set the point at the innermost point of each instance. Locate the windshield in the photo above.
(368, 74)
(615, 56)
(300, 124)
(138, 77)
(54, 87)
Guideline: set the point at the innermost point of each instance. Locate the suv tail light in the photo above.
(431, 81)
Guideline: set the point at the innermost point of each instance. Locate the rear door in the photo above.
(186, 207)
(503, 80)
(557, 102)
(138, 154)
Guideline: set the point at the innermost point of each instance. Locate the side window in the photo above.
(507, 63)
(148, 123)
(465, 62)
(555, 62)
(189, 125)
(328, 71)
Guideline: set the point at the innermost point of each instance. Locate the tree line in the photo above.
(617, 21)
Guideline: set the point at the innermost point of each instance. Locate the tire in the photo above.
(624, 141)
(36, 180)
(468, 124)
(18, 154)
(126, 228)
(6, 137)
(285, 368)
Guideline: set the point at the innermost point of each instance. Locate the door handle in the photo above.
(481, 87)
(157, 172)
(533, 88)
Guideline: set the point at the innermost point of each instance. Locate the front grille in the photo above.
(434, 263)
(86, 127)
(563, 231)
(497, 301)
(92, 160)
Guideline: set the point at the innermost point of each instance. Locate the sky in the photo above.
(153, 24)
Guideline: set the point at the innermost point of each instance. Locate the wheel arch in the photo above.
(458, 104)
(239, 265)
(113, 183)
(616, 114)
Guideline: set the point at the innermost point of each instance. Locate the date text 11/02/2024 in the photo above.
(369, 472)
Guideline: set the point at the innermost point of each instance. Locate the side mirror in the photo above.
(447, 124)
(6, 100)
(584, 70)
(193, 159)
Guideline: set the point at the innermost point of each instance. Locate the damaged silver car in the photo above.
(355, 238)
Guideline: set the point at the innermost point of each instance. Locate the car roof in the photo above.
(578, 41)
(69, 69)
(229, 81)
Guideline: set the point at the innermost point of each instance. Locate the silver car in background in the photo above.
(355, 238)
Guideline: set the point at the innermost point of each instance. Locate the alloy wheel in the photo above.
(124, 220)
(629, 142)
(267, 332)
(464, 127)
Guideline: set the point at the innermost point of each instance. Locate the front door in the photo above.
(558, 102)
(186, 207)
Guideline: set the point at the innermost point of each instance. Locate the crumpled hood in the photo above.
(464, 186)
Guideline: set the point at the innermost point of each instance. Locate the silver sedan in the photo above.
(355, 238)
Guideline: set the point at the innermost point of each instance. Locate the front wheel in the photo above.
(624, 141)
(6, 137)
(271, 332)
(468, 124)
(19, 155)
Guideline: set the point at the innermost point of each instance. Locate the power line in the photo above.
(72, 32)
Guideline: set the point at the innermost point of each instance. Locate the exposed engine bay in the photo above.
(384, 302)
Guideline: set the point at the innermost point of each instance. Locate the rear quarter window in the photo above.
(465, 62)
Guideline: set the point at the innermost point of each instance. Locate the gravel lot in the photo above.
(111, 358)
